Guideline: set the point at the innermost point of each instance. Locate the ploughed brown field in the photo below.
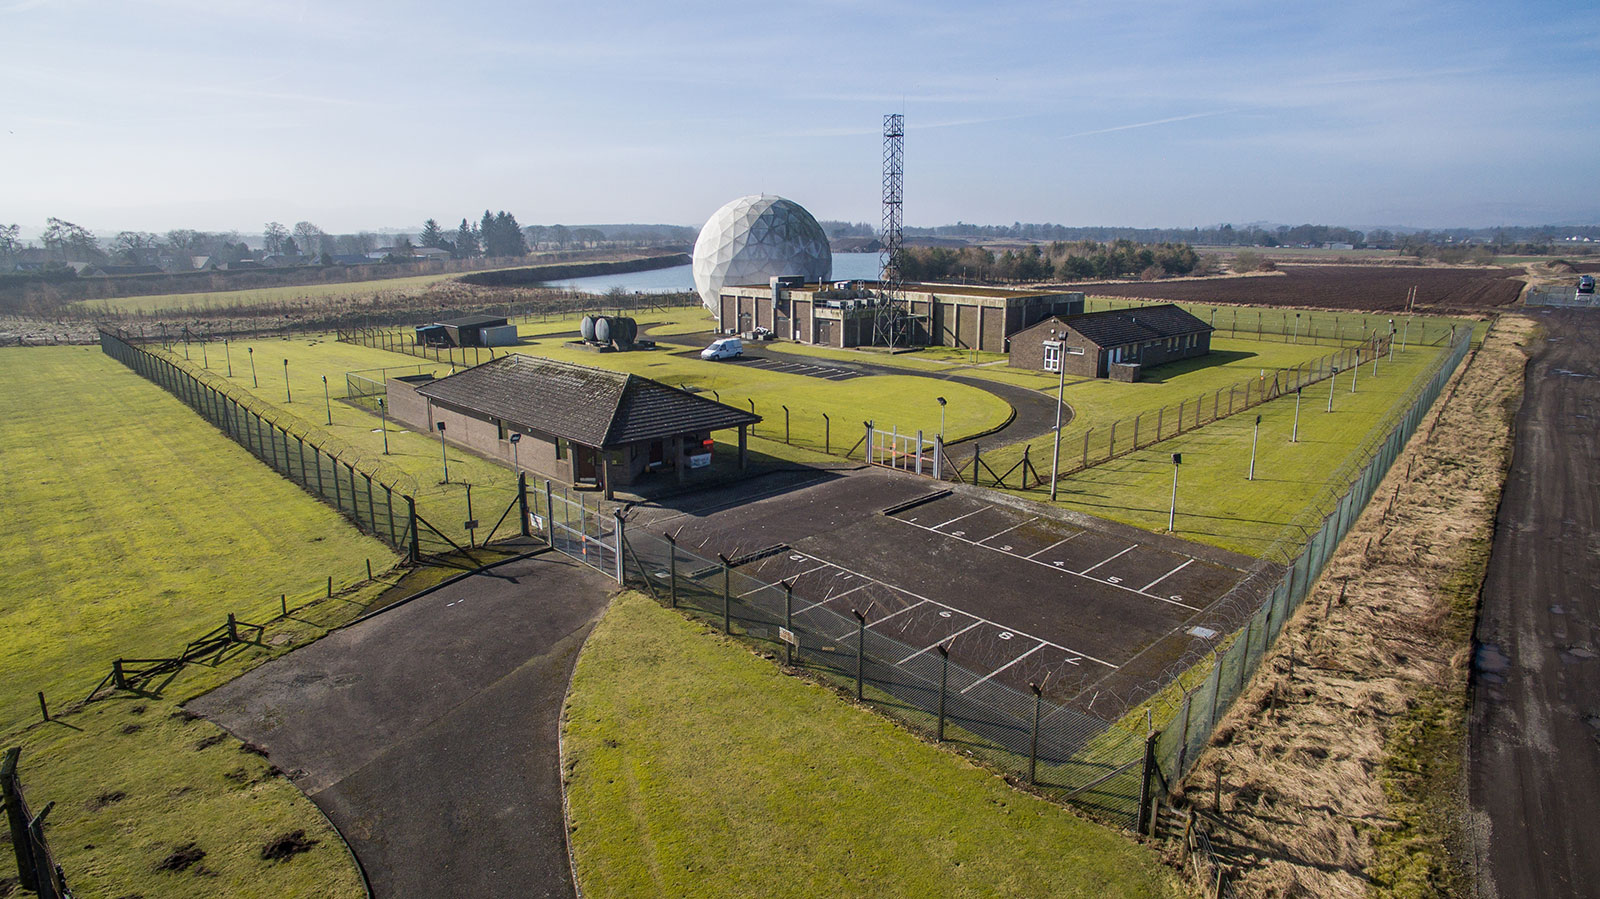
(1373, 288)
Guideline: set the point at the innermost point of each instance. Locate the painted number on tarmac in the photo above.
(944, 614)
(1113, 580)
(1005, 635)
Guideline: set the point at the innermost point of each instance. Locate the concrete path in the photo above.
(1533, 759)
(428, 734)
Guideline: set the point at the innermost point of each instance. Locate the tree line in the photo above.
(1060, 261)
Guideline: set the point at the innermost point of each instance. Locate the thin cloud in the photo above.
(1151, 124)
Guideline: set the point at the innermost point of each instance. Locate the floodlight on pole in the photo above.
(1061, 391)
(383, 414)
(1255, 438)
(254, 381)
(287, 397)
(1294, 435)
(1172, 513)
(328, 402)
(1332, 379)
(942, 402)
(442, 453)
(515, 439)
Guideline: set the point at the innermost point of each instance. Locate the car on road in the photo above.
(725, 348)
(1586, 284)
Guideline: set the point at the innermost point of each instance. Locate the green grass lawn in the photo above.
(1297, 325)
(696, 768)
(133, 526)
(227, 299)
(1294, 480)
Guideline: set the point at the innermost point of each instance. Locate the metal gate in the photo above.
(578, 527)
(905, 452)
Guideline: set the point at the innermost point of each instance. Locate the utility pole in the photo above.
(1255, 438)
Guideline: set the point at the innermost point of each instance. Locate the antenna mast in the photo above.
(889, 326)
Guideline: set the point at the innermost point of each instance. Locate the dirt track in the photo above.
(1534, 768)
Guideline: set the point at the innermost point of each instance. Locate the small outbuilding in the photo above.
(579, 425)
(468, 330)
(1115, 343)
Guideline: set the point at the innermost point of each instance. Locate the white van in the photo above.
(725, 348)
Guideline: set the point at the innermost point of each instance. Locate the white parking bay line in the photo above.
(1167, 575)
(1053, 545)
(1113, 558)
(959, 517)
(1004, 667)
(941, 642)
(1010, 529)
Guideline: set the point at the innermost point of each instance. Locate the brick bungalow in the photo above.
(579, 425)
(1116, 343)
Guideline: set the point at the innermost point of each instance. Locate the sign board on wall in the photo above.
(700, 460)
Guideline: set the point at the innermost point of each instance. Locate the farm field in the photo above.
(1377, 287)
(133, 526)
(807, 794)
(221, 301)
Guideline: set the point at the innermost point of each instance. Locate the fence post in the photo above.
(919, 452)
(788, 621)
(938, 458)
(867, 446)
(1086, 447)
(672, 567)
(1144, 782)
(785, 424)
(1033, 736)
(549, 515)
(233, 627)
(411, 513)
(27, 877)
(522, 503)
(617, 536)
(1136, 419)
(944, 682)
(861, 642)
(726, 616)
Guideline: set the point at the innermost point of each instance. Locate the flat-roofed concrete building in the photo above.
(578, 425)
(841, 314)
(1115, 343)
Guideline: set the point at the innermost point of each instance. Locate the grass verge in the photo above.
(696, 768)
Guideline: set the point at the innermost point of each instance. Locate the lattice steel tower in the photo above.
(889, 327)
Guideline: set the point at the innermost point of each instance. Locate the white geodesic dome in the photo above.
(754, 239)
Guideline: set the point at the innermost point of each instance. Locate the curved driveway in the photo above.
(429, 734)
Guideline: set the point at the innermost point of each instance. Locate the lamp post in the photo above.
(941, 417)
(442, 454)
(1255, 438)
(254, 381)
(383, 414)
(227, 349)
(515, 439)
(1172, 513)
(1331, 380)
(1294, 435)
(328, 402)
(1061, 391)
(1296, 328)
(286, 396)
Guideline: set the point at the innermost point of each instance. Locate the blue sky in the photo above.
(219, 114)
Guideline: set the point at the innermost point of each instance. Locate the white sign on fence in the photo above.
(788, 637)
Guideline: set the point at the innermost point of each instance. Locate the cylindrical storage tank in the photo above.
(624, 330)
(587, 327)
(602, 329)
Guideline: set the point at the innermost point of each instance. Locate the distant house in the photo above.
(350, 259)
(1116, 343)
(129, 270)
(429, 253)
(201, 263)
(579, 425)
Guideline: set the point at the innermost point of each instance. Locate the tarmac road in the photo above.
(1534, 737)
(428, 734)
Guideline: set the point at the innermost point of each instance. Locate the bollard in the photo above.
(330, 585)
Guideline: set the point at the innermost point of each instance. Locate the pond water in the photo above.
(846, 267)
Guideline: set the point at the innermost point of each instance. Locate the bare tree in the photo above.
(272, 238)
(309, 238)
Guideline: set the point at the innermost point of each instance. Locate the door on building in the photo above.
(585, 463)
(658, 453)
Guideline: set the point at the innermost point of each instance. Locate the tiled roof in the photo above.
(590, 406)
(1115, 327)
(472, 321)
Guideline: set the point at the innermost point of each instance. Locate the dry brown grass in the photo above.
(1305, 760)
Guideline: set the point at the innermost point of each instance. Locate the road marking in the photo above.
(1009, 529)
(780, 581)
(892, 614)
(831, 597)
(1053, 566)
(1167, 575)
(1113, 558)
(959, 517)
(1053, 545)
(1004, 667)
(934, 602)
(939, 644)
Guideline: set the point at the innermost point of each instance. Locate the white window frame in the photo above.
(1053, 355)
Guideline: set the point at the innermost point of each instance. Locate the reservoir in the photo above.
(846, 267)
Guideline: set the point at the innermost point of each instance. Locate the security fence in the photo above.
(1277, 593)
(380, 502)
(37, 870)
